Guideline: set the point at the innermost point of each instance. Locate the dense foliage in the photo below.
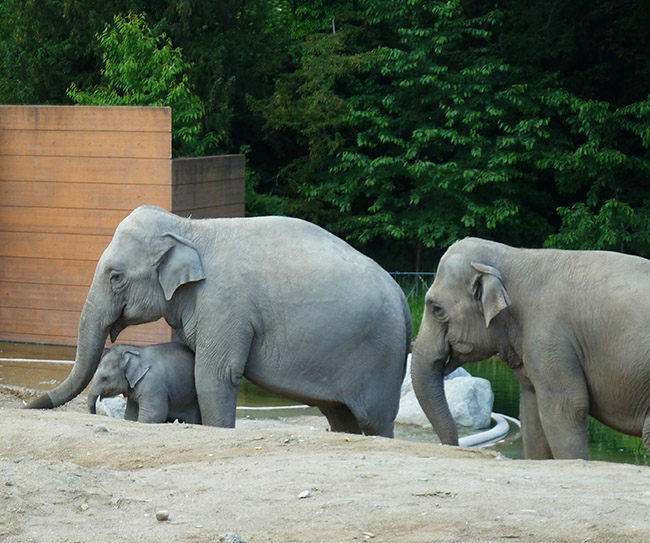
(401, 125)
(142, 69)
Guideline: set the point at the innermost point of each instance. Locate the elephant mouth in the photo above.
(116, 328)
(459, 353)
(452, 363)
(118, 325)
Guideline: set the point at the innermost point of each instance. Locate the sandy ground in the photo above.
(67, 476)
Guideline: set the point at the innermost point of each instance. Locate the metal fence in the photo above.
(413, 283)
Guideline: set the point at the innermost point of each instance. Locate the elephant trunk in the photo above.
(91, 341)
(92, 402)
(427, 374)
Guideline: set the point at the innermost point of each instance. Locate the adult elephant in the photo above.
(573, 326)
(278, 300)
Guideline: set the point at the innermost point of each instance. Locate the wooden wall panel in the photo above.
(222, 211)
(81, 118)
(89, 196)
(59, 272)
(209, 186)
(42, 296)
(85, 170)
(52, 246)
(60, 327)
(61, 221)
(83, 144)
(68, 175)
(205, 169)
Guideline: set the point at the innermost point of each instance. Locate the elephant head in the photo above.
(461, 323)
(119, 371)
(136, 277)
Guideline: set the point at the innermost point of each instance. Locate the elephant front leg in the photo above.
(217, 402)
(563, 411)
(153, 409)
(560, 388)
(217, 378)
(564, 419)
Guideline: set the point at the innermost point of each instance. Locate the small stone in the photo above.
(163, 514)
(84, 507)
(101, 430)
(231, 537)
(304, 494)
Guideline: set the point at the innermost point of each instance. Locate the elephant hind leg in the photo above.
(375, 422)
(646, 433)
(341, 419)
(376, 428)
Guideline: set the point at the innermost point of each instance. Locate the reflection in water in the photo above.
(35, 375)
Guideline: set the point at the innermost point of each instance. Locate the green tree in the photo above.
(411, 127)
(140, 68)
(237, 49)
(42, 47)
(405, 123)
(588, 60)
(603, 162)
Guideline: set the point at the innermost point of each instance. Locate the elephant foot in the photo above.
(341, 419)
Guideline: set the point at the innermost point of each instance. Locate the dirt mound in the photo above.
(69, 476)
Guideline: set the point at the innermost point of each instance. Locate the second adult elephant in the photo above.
(573, 326)
(278, 300)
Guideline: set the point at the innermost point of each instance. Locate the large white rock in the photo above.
(112, 407)
(470, 400)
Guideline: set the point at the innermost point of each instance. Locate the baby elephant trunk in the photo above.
(92, 403)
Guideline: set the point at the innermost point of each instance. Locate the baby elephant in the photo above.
(157, 381)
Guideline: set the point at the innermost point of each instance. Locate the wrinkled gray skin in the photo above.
(157, 381)
(572, 325)
(278, 300)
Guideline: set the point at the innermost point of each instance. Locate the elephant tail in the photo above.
(409, 332)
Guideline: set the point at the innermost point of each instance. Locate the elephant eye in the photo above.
(437, 311)
(118, 280)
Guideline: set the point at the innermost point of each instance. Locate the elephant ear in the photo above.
(135, 368)
(179, 264)
(488, 288)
